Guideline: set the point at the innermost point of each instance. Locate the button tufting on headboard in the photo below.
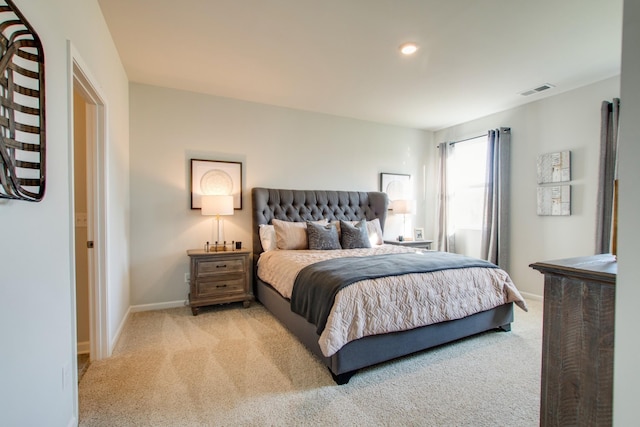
(302, 205)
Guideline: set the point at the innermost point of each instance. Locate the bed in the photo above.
(349, 355)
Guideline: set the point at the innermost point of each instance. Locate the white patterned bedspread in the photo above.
(391, 304)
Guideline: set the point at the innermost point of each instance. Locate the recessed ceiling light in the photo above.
(408, 48)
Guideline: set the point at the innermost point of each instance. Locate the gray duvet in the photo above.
(316, 285)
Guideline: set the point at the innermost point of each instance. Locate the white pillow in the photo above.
(375, 232)
(292, 235)
(267, 237)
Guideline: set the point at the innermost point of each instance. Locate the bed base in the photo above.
(376, 349)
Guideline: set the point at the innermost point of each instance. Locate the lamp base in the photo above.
(220, 231)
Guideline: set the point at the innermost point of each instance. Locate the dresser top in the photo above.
(602, 267)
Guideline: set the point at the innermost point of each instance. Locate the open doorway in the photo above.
(80, 202)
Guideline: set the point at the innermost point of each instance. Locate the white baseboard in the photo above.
(84, 347)
(157, 306)
(533, 297)
(116, 337)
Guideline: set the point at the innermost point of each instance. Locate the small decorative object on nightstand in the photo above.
(420, 244)
(219, 277)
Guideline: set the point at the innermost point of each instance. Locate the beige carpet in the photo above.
(232, 366)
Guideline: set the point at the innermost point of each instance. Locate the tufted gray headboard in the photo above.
(303, 205)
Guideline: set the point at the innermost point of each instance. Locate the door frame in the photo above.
(80, 79)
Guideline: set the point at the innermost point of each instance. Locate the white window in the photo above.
(469, 179)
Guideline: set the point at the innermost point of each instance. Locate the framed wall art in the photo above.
(22, 111)
(214, 177)
(554, 167)
(397, 186)
(554, 200)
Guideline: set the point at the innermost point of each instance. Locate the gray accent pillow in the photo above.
(354, 236)
(322, 237)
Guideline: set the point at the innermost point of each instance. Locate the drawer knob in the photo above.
(221, 266)
(221, 286)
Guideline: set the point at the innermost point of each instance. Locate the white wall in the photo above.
(37, 310)
(278, 147)
(627, 345)
(567, 121)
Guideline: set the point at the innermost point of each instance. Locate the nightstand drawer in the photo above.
(218, 287)
(223, 266)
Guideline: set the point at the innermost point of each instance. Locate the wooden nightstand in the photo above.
(421, 244)
(219, 277)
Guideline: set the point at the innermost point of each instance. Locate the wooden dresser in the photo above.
(577, 341)
(219, 277)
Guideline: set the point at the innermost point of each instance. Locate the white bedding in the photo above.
(391, 304)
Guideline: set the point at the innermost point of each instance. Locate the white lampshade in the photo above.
(402, 206)
(217, 205)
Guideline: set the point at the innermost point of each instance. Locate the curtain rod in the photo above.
(463, 140)
(467, 139)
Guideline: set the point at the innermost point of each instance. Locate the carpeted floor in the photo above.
(232, 366)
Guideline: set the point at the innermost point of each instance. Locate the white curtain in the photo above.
(495, 225)
(445, 233)
(610, 113)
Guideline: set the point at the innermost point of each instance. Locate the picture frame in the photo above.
(554, 200)
(418, 234)
(554, 167)
(215, 177)
(396, 185)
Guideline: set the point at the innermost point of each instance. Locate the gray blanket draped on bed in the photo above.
(316, 285)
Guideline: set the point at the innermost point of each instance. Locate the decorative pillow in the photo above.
(292, 235)
(373, 228)
(354, 236)
(375, 232)
(267, 237)
(322, 237)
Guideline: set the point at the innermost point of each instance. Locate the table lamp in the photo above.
(402, 207)
(217, 205)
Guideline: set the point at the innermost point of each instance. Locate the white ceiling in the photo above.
(341, 57)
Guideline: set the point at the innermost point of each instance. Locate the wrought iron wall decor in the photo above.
(22, 108)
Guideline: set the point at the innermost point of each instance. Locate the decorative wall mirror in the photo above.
(22, 108)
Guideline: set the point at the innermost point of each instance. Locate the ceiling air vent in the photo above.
(537, 89)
